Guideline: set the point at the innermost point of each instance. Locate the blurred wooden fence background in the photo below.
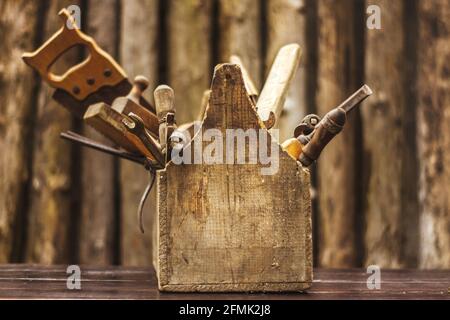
(382, 186)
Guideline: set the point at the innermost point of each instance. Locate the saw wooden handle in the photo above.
(97, 71)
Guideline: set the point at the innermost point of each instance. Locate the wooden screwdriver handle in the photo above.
(331, 125)
(327, 129)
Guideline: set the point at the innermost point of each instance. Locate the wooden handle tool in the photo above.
(130, 104)
(273, 95)
(165, 110)
(99, 78)
(81, 80)
(135, 126)
(331, 124)
(302, 135)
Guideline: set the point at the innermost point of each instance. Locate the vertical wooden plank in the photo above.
(389, 149)
(18, 20)
(286, 23)
(98, 222)
(51, 193)
(139, 55)
(189, 53)
(336, 166)
(433, 132)
(239, 33)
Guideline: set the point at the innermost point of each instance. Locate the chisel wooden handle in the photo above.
(329, 126)
(165, 111)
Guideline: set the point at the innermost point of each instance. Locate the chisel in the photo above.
(308, 144)
(165, 111)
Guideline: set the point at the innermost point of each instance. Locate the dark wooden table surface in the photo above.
(50, 282)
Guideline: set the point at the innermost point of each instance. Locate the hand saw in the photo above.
(97, 79)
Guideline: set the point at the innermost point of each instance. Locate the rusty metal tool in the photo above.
(86, 142)
(135, 126)
(97, 79)
(130, 104)
(148, 188)
(313, 134)
(331, 124)
(165, 110)
(302, 135)
(73, 137)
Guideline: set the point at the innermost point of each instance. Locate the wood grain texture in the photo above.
(278, 82)
(97, 223)
(336, 166)
(403, 202)
(287, 23)
(433, 133)
(391, 197)
(108, 123)
(52, 192)
(49, 282)
(227, 227)
(18, 20)
(249, 85)
(76, 80)
(189, 54)
(239, 30)
(138, 55)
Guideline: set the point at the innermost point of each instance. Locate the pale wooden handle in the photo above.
(139, 85)
(273, 95)
(164, 100)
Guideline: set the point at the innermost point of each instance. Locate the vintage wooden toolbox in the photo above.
(227, 227)
(231, 224)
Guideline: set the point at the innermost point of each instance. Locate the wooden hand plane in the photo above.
(97, 79)
(119, 121)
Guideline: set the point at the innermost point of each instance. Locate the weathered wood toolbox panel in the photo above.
(224, 227)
